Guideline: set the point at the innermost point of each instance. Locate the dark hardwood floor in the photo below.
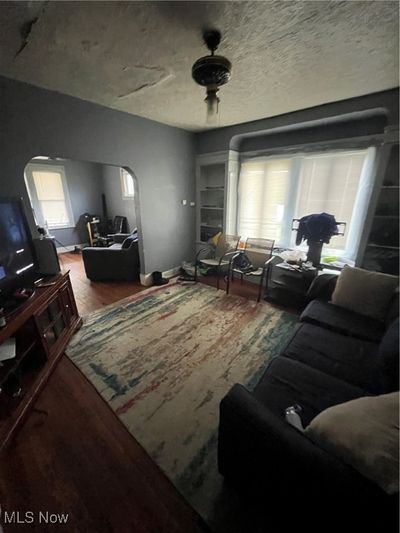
(94, 295)
(74, 456)
(239, 288)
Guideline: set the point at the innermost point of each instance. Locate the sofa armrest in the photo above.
(258, 447)
(322, 287)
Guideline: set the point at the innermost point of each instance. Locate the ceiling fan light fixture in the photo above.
(212, 102)
(212, 72)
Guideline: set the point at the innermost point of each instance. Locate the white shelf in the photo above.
(210, 226)
(213, 189)
(216, 208)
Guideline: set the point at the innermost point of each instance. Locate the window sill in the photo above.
(55, 228)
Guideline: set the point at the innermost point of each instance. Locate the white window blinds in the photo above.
(329, 183)
(128, 187)
(49, 195)
(263, 196)
(274, 191)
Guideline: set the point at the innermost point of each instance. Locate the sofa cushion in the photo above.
(389, 358)
(287, 382)
(347, 358)
(343, 321)
(363, 433)
(364, 292)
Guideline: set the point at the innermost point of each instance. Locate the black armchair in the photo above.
(118, 262)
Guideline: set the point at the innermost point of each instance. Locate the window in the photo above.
(274, 191)
(48, 192)
(127, 183)
(263, 195)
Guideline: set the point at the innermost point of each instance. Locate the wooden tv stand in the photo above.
(42, 327)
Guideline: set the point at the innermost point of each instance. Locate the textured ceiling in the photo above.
(137, 56)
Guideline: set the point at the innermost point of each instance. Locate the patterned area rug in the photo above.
(164, 358)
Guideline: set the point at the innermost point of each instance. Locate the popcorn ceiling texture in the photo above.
(137, 56)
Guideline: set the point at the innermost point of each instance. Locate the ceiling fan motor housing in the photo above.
(211, 70)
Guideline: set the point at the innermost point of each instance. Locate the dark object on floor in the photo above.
(334, 356)
(186, 279)
(117, 262)
(158, 279)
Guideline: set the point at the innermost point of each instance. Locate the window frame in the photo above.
(123, 174)
(33, 196)
(297, 158)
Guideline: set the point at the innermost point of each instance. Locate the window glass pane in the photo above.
(263, 193)
(128, 188)
(129, 185)
(48, 185)
(55, 213)
(49, 195)
(329, 183)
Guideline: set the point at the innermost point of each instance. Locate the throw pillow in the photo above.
(364, 292)
(363, 433)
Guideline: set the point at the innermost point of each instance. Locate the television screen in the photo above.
(16, 251)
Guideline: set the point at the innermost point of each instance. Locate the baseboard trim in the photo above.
(172, 273)
(71, 247)
(146, 280)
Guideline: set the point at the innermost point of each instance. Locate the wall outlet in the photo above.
(192, 204)
(184, 202)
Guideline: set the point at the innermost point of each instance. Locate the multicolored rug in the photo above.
(165, 357)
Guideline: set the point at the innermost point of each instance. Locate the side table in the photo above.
(289, 286)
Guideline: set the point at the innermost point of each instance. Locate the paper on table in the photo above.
(7, 349)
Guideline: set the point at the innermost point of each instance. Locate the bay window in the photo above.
(273, 191)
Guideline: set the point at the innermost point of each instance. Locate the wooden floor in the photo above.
(94, 295)
(74, 456)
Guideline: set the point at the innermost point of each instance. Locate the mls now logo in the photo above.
(30, 517)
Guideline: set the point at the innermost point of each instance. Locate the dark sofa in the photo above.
(118, 262)
(334, 356)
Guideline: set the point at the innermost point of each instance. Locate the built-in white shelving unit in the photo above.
(213, 183)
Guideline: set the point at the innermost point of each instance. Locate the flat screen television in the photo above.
(17, 257)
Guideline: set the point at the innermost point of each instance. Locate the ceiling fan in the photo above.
(211, 72)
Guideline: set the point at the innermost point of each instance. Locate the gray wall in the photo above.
(346, 118)
(85, 185)
(35, 121)
(116, 205)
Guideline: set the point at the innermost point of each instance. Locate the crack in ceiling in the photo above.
(26, 30)
(160, 73)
